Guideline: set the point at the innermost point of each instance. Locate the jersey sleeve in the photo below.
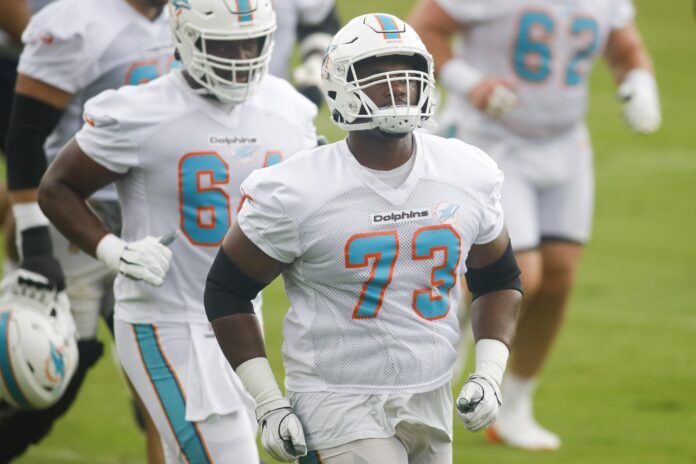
(492, 217)
(56, 52)
(623, 13)
(109, 135)
(263, 218)
(467, 11)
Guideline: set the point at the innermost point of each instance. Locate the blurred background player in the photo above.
(178, 148)
(527, 111)
(14, 17)
(397, 215)
(73, 50)
(311, 24)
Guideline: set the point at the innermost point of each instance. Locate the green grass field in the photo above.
(620, 386)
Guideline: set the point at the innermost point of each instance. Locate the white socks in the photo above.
(516, 425)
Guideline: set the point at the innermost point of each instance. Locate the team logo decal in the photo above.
(393, 217)
(388, 25)
(55, 366)
(181, 4)
(446, 212)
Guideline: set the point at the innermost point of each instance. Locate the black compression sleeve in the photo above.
(503, 274)
(228, 290)
(31, 123)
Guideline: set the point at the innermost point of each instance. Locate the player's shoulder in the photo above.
(67, 18)
(465, 11)
(458, 162)
(147, 105)
(306, 177)
(278, 97)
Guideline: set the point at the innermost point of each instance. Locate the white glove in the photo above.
(501, 101)
(146, 259)
(281, 430)
(478, 402)
(282, 435)
(641, 101)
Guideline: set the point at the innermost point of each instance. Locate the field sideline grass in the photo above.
(620, 385)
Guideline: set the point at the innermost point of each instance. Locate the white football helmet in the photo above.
(373, 36)
(38, 350)
(196, 22)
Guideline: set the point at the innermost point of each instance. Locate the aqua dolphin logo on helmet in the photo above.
(179, 4)
(369, 36)
(55, 366)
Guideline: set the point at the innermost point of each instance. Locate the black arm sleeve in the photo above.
(503, 274)
(31, 123)
(228, 290)
(330, 25)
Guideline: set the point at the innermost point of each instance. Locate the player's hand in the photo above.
(478, 402)
(641, 101)
(282, 435)
(28, 284)
(307, 78)
(42, 272)
(146, 259)
(494, 96)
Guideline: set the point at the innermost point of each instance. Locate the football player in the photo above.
(372, 235)
(178, 149)
(518, 83)
(312, 23)
(73, 50)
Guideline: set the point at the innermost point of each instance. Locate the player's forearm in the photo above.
(494, 315)
(437, 43)
(239, 337)
(626, 52)
(70, 214)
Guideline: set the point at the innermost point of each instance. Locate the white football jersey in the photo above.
(546, 47)
(289, 14)
(184, 157)
(374, 271)
(84, 47)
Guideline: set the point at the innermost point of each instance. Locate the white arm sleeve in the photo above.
(110, 132)
(263, 219)
(314, 11)
(57, 53)
(623, 13)
(468, 11)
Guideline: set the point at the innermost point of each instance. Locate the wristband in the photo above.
(491, 358)
(258, 379)
(459, 77)
(109, 250)
(28, 216)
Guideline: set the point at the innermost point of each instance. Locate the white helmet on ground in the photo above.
(195, 23)
(373, 36)
(38, 350)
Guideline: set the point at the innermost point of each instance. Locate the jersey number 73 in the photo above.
(380, 251)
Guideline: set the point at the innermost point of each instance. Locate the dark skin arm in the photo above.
(239, 335)
(68, 182)
(493, 315)
(14, 17)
